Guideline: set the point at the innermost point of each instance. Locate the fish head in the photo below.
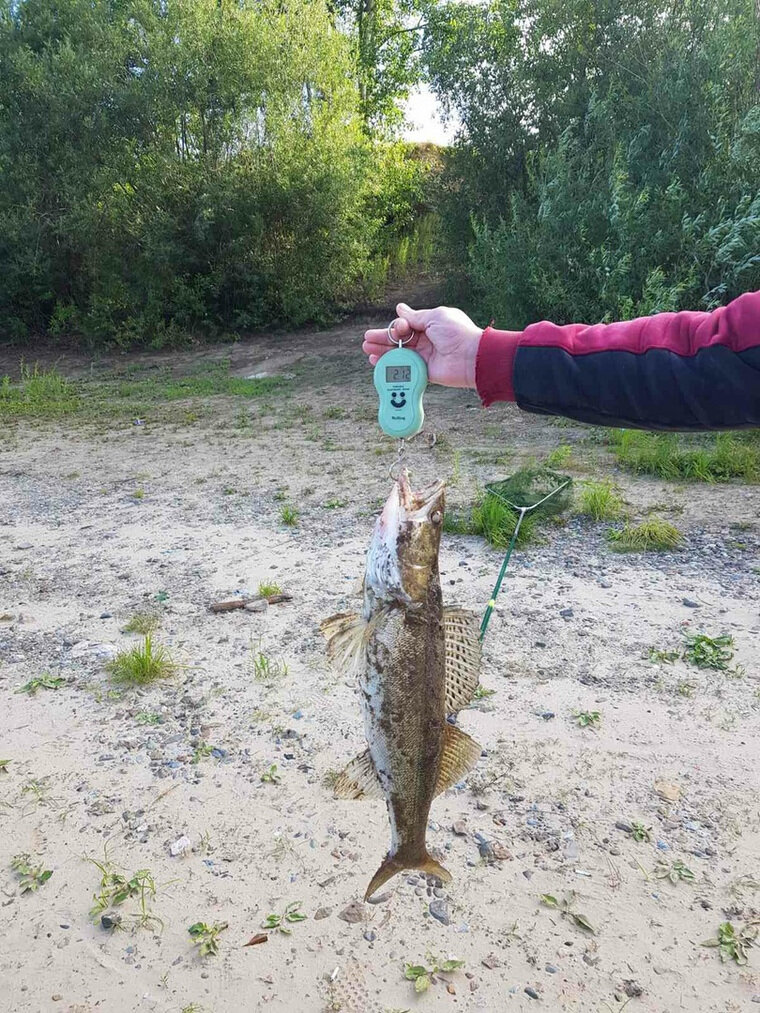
(403, 554)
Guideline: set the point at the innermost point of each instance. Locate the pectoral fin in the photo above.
(459, 756)
(462, 638)
(359, 779)
(345, 633)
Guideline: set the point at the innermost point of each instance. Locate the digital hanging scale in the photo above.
(400, 377)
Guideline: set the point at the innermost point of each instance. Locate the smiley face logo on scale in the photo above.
(398, 399)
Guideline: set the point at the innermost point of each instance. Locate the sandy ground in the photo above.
(101, 771)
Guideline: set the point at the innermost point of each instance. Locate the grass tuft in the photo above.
(289, 516)
(144, 623)
(495, 521)
(653, 535)
(267, 589)
(703, 459)
(142, 664)
(600, 501)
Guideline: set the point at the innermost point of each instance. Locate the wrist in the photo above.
(494, 365)
(470, 362)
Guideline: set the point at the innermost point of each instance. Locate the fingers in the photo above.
(417, 319)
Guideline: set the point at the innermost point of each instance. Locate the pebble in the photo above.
(439, 910)
(106, 615)
(370, 936)
(353, 913)
(566, 614)
(690, 604)
(547, 715)
(180, 846)
(380, 898)
(531, 992)
(322, 912)
(625, 827)
(550, 969)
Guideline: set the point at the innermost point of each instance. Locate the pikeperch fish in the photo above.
(416, 662)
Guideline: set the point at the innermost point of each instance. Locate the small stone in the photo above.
(110, 920)
(106, 615)
(322, 912)
(370, 936)
(547, 715)
(531, 992)
(180, 846)
(625, 827)
(566, 614)
(550, 969)
(439, 910)
(56, 997)
(459, 828)
(379, 898)
(474, 984)
(451, 989)
(353, 913)
(500, 853)
(491, 962)
(260, 605)
(632, 988)
(690, 604)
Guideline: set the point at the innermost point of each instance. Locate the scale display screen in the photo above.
(398, 374)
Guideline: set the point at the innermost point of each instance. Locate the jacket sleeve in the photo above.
(679, 371)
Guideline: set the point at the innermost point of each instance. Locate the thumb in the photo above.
(417, 319)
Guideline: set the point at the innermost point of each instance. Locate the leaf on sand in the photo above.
(583, 922)
(260, 937)
(413, 971)
(546, 898)
(422, 984)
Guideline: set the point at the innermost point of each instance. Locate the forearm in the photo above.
(679, 371)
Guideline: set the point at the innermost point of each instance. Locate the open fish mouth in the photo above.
(418, 505)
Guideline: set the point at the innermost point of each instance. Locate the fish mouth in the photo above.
(418, 505)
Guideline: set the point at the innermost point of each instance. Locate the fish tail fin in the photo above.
(398, 862)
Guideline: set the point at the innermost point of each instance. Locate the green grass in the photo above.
(494, 520)
(44, 681)
(144, 623)
(560, 457)
(599, 501)
(45, 393)
(652, 535)
(267, 589)
(671, 456)
(143, 664)
(289, 516)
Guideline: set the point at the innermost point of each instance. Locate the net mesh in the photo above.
(529, 486)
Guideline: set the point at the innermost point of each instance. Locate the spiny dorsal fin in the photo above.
(359, 779)
(346, 640)
(460, 754)
(462, 637)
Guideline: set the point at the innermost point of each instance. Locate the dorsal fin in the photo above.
(462, 638)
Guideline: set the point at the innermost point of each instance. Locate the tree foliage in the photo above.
(175, 166)
(609, 159)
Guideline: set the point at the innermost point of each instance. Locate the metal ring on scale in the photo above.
(398, 341)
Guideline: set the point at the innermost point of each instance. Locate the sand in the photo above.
(100, 771)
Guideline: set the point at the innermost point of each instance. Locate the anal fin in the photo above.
(359, 779)
(462, 640)
(460, 754)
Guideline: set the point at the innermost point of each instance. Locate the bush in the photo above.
(167, 173)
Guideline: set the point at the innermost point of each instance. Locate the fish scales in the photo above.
(416, 662)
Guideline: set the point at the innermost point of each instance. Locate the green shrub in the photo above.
(652, 535)
(716, 458)
(600, 501)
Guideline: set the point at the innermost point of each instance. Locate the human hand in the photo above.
(445, 337)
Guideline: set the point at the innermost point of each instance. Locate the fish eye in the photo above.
(436, 517)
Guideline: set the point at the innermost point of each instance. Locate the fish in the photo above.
(416, 662)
